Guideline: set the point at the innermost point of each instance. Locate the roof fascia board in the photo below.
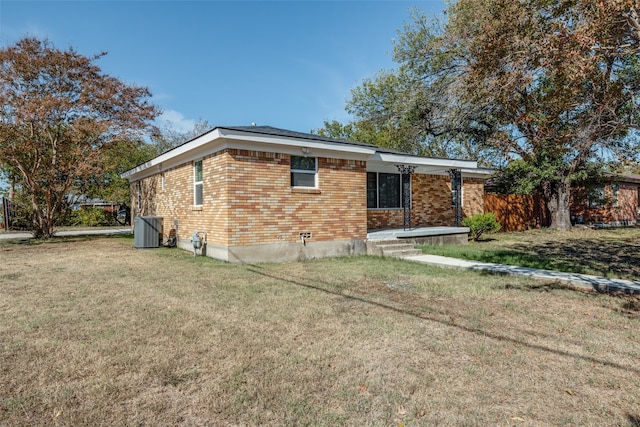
(293, 150)
(223, 143)
(295, 142)
(477, 173)
(214, 141)
(172, 157)
(220, 138)
(390, 168)
(425, 161)
(151, 168)
(622, 178)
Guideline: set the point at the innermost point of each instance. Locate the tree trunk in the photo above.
(557, 195)
(42, 224)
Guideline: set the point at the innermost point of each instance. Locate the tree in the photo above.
(360, 131)
(551, 83)
(125, 155)
(105, 183)
(416, 108)
(168, 137)
(9, 176)
(59, 118)
(559, 77)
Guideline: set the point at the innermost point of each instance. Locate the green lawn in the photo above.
(603, 252)
(94, 332)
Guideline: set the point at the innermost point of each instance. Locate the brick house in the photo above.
(611, 200)
(264, 194)
(615, 201)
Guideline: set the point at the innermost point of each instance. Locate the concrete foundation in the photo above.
(280, 252)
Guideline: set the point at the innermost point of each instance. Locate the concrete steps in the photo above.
(392, 248)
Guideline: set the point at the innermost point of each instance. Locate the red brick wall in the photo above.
(625, 208)
(431, 203)
(247, 200)
(175, 201)
(265, 209)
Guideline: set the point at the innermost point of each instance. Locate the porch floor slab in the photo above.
(399, 233)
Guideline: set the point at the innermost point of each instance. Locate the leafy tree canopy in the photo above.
(167, 137)
(60, 117)
(550, 83)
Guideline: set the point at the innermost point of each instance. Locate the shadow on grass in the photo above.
(63, 239)
(527, 256)
(607, 258)
(13, 242)
(422, 315)
(617, 258)
(486, 239)
(536, 287)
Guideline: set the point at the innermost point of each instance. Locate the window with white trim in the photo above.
(197, 183)
(304, 171)
(384, 190)
(596, 196)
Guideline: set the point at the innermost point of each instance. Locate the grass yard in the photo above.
(612, 252)
(94, 332)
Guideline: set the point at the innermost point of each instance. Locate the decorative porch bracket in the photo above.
(456, 194)
(406, 171)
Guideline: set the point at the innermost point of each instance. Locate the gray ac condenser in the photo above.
(147, 232)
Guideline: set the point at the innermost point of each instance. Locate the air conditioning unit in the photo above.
(147, 232)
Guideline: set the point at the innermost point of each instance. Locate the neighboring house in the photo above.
(614, 201)
(266, 194)
(611, 201)
(8, 213)
(77, 202)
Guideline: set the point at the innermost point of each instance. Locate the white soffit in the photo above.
(422, 163)
(293, 150)
(220, 138)
(179, 155)
(477, 173)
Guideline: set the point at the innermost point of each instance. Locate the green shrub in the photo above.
(480, 224)
(90, 217)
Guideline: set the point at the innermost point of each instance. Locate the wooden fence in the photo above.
(517, 212)
(8, 211)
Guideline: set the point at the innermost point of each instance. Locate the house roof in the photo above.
(267, 138)
(631, 178)
(269, 130)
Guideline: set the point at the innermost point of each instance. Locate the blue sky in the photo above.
(288, 64)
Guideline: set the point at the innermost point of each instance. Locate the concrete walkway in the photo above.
(104, 232)
(583, 281)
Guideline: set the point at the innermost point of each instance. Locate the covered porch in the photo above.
(400, 242)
